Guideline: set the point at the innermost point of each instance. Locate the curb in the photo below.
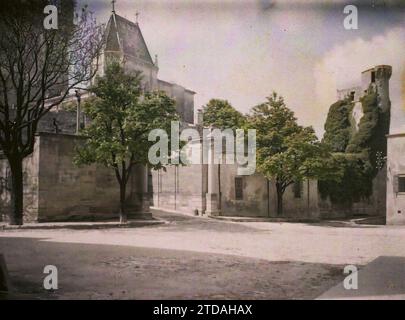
(83, 226)
(259, 219)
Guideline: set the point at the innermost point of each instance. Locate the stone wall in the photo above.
(57, 190)
(180, 188)
(69, 192)
(184, 189)
(260, 200)
(395, 168)
(184, 99)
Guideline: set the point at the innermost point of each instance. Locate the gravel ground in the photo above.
(194, 258)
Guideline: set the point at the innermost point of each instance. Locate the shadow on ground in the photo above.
(382, 278)
(183, 222)
(88, 271)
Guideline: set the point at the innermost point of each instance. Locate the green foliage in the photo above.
(222, 115)
(370, 137)
(121, 119)
(361, 139)
(337, 126)
(287, 152)
(354, 185)
(362, 155)
(70, 106)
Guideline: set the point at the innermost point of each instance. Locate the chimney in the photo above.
(200, 118)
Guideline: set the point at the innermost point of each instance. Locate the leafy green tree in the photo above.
(121, 119)
(222, 115)
(287, 152)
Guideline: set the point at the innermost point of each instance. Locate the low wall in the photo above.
(68, 192)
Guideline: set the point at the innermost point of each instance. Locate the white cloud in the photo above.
(342, 65)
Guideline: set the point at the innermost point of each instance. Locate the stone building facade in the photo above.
(212, 189)
(126, 43)
(396, 179)
(54, 188)
(216, 189)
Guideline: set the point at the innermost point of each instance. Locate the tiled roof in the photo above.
(126, 36)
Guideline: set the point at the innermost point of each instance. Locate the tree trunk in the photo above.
(17, 194)
(268, 197)
(279, 201)
(219, 187)
(123, 213)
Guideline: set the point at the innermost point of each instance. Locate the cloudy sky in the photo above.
(242, 50)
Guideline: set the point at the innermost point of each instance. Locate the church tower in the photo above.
(124, 41)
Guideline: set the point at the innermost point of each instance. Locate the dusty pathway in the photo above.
(195, 258)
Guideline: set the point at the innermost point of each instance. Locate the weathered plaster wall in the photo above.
(180, 188)
(258, 202)
(304, 207)
(254, 202)
(68, 192)
(395, 166)
(184, 189)
(184, 99)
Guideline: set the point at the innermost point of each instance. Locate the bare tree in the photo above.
(38, 69)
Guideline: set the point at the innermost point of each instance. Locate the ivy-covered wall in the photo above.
(362, 152)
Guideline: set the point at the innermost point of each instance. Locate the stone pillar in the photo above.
(212, 196)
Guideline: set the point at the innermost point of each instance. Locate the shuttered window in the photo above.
(399, 183)
(239, 188)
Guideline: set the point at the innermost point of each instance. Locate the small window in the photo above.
(239, 188)
(297, 189)
(372, 76)
(400, 184)
(352, 95)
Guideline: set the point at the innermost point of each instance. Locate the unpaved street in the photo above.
(191, 257)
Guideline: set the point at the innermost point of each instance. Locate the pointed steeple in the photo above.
(125, 36)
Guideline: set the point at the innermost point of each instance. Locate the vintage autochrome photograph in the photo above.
(202, 151)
